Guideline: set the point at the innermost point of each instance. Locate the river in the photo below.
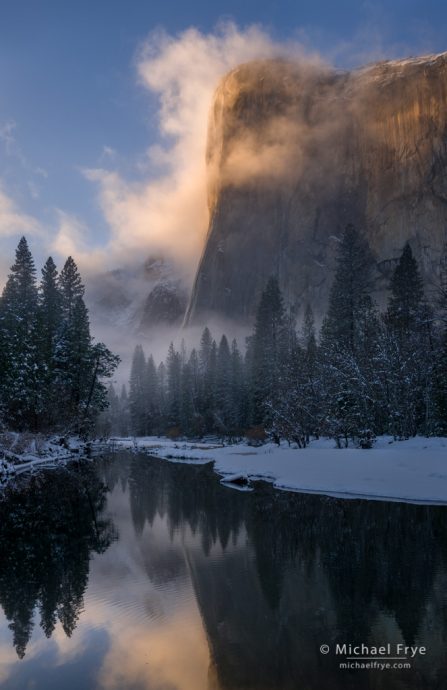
(133, 573)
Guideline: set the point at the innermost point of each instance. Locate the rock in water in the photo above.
(295, 152)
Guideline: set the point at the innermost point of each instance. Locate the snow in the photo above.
(26, 452)
(412, 471)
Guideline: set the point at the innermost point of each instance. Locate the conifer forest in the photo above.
(367, 371)
(52, 372)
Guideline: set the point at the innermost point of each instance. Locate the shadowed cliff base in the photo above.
(295, 152)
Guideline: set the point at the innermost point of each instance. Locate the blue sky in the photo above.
(77, 95)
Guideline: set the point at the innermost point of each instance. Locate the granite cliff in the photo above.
(297, 151)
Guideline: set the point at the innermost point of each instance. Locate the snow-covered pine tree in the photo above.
(73, 365)
(51, 373)
(224, 415)
(73, 349)
(267, 349)
(71, 288)
(287, 410)
(21, 399)
(407, 294)
(207, 369)
(123, 428)
(49, 318)
(137, 392)
(162, 394)
(197, 428)
(350, 288)
(102, 364)
(347, 413)
(81, 366)
(173, 393)
(411, 357)
(151, 398)
(311, 372)
(187, 411)
(240, 408)
(439, 384)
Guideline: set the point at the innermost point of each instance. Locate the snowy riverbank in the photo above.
(27, 452)
(413, 471)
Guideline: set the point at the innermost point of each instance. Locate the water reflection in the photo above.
(48, 529)
(210, 588)
(314, 570)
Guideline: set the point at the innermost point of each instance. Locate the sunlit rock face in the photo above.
(295, 152)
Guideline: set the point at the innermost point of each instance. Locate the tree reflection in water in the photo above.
(274, 574)
(49, 526)
(315, 570)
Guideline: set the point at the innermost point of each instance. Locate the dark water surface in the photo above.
(131, 573)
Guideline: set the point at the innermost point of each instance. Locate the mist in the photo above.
(160, 207)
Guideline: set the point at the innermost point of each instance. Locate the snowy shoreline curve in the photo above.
(410, 471)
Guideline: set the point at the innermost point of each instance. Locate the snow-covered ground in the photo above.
(26, 452)
(413, 471)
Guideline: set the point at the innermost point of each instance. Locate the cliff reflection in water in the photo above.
(309, 570)
(49, 527)
(207, 588)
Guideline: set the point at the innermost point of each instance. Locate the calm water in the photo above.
(132, 573)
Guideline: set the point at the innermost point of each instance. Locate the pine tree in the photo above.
(288, 411)
(71, 288)
(137, 392)
(206, 342)
(123, 428)
(186, 414)
(224, 399)
(151, 396)
(210, 379)
(51, 373)
(440, 385)
(267, 348)
(349, 292)
(49, 330)
(207, 367)
(439, 380)
(73, 350)
(346, 379)
(73, 364)
(239, 396)
(308, 336)
(19, 362)
(173, 374)
(162, 394)
(193, 362)
(101, 365)
(311, 373)
(407, 295)
(411, 354)
(197, 426)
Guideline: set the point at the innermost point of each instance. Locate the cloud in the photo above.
(162, 207)
(13, 221)
(71, 235)
(166, 212)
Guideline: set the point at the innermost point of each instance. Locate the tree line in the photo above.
(366, 372)
(51, 371)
